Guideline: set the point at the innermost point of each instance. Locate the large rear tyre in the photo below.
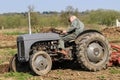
(40, 63)
(93, 51)
(17, 66)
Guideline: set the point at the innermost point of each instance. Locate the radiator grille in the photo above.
(21, 50)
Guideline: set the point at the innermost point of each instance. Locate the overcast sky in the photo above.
(57, 5)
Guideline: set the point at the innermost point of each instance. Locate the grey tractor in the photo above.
(39, 50)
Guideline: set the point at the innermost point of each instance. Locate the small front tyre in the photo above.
(40, 63)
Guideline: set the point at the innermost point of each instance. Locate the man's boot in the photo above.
(64, 52)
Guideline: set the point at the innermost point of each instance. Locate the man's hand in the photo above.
(64, 32)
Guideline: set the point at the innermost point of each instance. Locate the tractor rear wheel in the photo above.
(40, 63)
(93, 51)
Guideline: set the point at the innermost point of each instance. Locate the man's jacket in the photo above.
(76, 27)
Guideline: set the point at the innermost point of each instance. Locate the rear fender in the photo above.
(89, 31)
(86, 32)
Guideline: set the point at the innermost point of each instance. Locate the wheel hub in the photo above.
(40, 63)
(95, 52)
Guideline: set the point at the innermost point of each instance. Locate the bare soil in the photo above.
(7, 41)
(4, 68)
(112, 33)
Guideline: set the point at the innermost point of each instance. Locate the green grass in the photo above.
(94, 27)
(14, 33)
(59, 72)
(101, 77)
(114, 39)
(10, 51)
(6, 54)
(18, 76)
(114, 71)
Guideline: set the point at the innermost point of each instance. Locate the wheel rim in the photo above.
(95, 52)
(40, 63)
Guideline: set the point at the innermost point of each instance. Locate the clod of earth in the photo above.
(4, 68)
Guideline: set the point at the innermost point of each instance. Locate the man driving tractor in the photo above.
(76, 27)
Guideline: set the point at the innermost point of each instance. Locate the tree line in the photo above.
(55, 19)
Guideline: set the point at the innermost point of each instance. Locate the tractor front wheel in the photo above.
(40, 63)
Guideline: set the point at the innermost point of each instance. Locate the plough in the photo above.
(115, 55)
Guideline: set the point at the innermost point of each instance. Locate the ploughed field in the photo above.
(60, 71)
